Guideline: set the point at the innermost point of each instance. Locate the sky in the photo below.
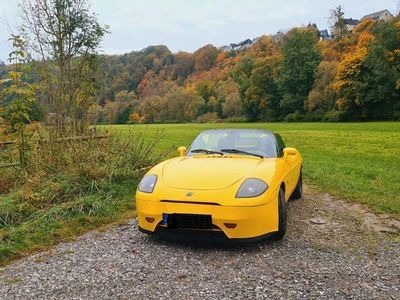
(186, 25)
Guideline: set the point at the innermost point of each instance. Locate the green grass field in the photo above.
(355, 161)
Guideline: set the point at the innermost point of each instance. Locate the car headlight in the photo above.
(251, 187)
(147, 183)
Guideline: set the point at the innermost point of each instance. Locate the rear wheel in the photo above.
(282, 212)
(298, 192)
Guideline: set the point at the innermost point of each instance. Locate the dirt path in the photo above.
(332, 250)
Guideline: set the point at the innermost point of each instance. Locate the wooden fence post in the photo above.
(22, 148)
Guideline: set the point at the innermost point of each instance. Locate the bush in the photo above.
(295, 117)
(307, 117)
(211, 117)
(236, 120)
(336, 116)
(396, 116)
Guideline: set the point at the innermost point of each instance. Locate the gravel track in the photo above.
(331, 251)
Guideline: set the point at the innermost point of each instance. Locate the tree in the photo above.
(367, 77)
(266, 89)
(19, 92)
(153, 85)
(338, 25)
(183, 66)
(127, 102)
(349, 82)
(178, 105)
(205, 58)
(110, 111)
(181, 105)
(227, 93)
(257, 79)
(241, 74)
(301, 58)
(206, 90)
(322, 97)
(64, 36)
(383, 65)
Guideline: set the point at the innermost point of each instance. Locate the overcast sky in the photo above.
(189, 24)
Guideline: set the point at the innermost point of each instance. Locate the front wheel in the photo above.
(282, 212)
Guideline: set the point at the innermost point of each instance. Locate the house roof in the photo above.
(324, 33)
(351, 21)
(248, 41)
(375, 15)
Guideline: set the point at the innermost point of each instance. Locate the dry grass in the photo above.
(68, 188)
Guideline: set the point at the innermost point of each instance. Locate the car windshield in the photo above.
(242, 142)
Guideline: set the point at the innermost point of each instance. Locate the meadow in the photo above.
(355, 161)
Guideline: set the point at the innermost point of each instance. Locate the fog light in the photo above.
(230, 225)
(149, 219)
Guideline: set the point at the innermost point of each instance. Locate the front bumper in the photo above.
(252, 222)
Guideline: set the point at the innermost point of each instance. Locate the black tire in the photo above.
(298, 191)
(282, 212)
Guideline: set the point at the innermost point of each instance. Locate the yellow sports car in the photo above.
(230, 183)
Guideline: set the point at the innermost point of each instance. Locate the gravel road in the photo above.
(332, 250)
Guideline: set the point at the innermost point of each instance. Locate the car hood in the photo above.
(208, 173)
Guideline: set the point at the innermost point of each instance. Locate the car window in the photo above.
(253, 141)
(280, 144)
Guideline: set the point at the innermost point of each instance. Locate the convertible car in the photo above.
(231, 184)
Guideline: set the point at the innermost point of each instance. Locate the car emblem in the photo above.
(189, 194)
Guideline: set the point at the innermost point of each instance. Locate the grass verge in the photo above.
(69, 188)
(40, 228)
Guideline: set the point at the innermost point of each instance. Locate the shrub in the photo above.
(295, 117)
(211, 117)
(336, 116)
(236, 120)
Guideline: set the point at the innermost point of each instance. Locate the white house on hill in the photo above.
(382, 15)
(351, 24)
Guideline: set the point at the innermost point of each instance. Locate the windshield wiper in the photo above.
(206, 151)
(241, 152)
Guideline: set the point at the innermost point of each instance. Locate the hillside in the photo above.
(293, 76)
(299, 75)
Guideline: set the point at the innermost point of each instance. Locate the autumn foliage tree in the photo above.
(322, 98)
(64, 37)
(205, 57)
(367, 77)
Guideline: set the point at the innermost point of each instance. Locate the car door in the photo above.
(292, 167)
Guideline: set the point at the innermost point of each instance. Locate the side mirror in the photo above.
(182, 151)
(289, 152)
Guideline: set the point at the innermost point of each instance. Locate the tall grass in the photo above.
(70, 186)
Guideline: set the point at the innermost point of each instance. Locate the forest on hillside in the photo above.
(290, 76)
